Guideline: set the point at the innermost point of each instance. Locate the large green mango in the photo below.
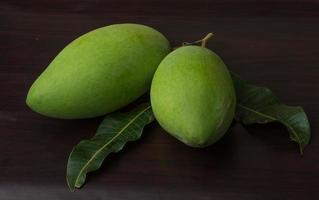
(192, 96)
(99, 72)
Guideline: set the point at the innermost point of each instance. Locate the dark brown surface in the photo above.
(270, 43)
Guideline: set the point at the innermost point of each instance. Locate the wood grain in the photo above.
(271, 43)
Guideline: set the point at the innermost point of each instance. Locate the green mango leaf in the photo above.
(260, 105)
(114, 132)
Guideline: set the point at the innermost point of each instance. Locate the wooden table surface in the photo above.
(270, 43)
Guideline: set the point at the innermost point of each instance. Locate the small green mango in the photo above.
(99, 72)
(192, 96)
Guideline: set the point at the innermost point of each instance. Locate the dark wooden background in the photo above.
(271, 43)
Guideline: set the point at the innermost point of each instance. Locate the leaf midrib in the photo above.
(104, 146)
(274, 119)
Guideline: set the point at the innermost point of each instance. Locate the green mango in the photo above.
(192, 96)
(99, 72)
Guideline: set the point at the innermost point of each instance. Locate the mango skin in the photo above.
(99, 72)
(192, 96)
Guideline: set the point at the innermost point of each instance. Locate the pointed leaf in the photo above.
(114, 132)
(260, 105)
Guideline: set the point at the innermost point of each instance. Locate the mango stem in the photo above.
(206, 38)
(201, 41)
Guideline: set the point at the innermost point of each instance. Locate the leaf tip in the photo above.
(71, 188)
(300, 149)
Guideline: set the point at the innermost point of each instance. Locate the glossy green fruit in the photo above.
(192, 96)
(99, 72)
